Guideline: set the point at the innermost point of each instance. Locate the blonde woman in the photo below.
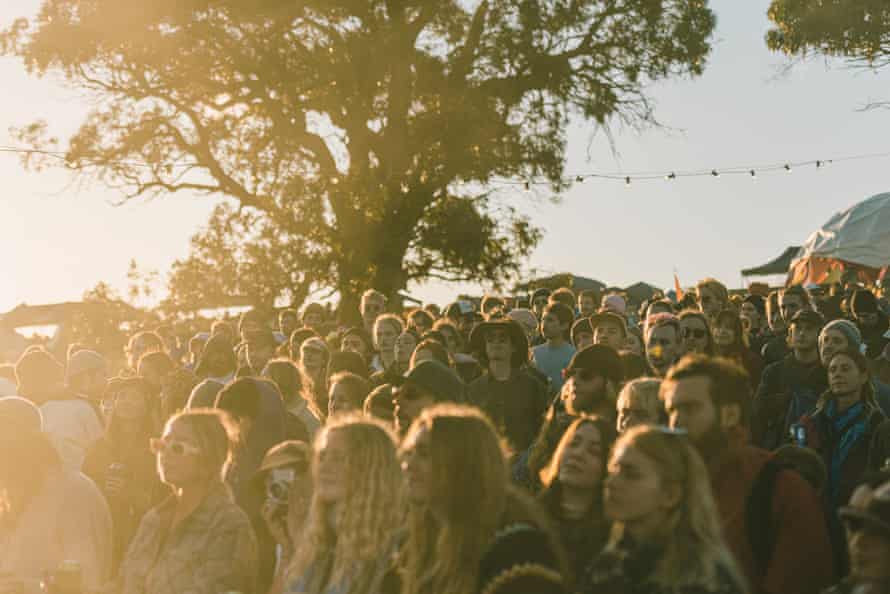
(354, 519)
(666, 536)
(466, 526)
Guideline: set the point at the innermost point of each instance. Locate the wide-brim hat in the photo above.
(517, 337)
(599, 359)
(608, 316)
(436, 379)
(287, 453)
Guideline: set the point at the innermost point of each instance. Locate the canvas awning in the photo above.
(779, 265)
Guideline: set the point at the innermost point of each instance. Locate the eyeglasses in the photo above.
(173, 446)
(694, 332)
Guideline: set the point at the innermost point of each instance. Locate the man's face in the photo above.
(354, 343)
(803, 337)
(287, 323)
(689, 406)
(497, 345)
(830, 342)
(610, 334)
(585, 391)
(866, 319)
(583, 340)
(258, 354)
(539, 304)
(790, 305)
(371, 308)
(420, 323)
(587, 305)
(313, 320)
(551, 327)
(709, 302)
(662, 348)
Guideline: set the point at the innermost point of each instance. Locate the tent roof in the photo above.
(779, 265)
(859, 235)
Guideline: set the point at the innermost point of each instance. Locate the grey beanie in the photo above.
(848, 329)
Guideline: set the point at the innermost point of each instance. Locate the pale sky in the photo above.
(60, 241)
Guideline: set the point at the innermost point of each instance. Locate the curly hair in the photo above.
(367, 522)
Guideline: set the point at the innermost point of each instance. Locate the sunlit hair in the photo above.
(447, 537)
(291, 381)
(148, 424)
(366, 523)
(552, 430)
(444, 324)
(436, 349)
(695, 314)
(713, 285)
(152, 341)
(216, 435)
(372, 294)
(694, 549)
(645, 391)
(550, 473)
(392, 319)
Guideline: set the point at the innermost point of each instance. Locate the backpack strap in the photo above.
(758, 514)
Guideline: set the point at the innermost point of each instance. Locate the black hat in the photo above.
(758, 302)
(600, 359)
(436, 379)
(808, 317)
(517, 338)
(520, 560)
(864, 301)
(873, 508)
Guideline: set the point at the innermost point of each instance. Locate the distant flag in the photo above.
(677, 288)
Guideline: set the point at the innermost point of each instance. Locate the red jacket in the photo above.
(802, 561)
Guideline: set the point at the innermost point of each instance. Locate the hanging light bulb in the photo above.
(787, 168)
(670, 176)
(627, 181)
(818, 164)
(527, 186)
(579, 179)
(715, 173)
(753, 175)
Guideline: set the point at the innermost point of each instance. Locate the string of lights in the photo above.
(751, 171)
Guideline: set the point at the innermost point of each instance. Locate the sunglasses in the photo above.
(694, 332)
(172, 446)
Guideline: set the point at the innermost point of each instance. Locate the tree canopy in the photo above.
(857, 30)
(354, 140)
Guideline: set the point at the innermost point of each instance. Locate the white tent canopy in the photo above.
(859, 235)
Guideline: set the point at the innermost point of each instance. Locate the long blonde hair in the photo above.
(448, 536)
(694, 552)
(367, 522)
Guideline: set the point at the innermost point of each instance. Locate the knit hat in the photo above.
(615, 303)
(848, 329)
(864, 301)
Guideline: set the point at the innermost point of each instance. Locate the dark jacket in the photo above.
(628, 567)
(873, 337)
(866, 455)
(788, 390)
(583, 539)
(516, 406)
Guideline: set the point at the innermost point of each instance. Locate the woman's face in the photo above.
(845, 377)
(179, 460)
(724, 334)
(130, 405)
(695, 335)
(405, 345)
(417, 466)
(331, 468)
(581, 465)
(312, 359)
(385, 335)
(633, 492)
(340, 400)
(355, 344)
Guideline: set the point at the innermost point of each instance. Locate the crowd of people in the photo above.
(716, 443)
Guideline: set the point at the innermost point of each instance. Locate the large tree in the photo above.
(359, 137)
(854, 30)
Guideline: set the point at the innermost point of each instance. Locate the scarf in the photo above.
(847, 428)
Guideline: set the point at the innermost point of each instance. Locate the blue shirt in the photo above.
(551, 361)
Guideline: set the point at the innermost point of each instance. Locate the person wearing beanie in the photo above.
(841, 335)
(49, 513)
(872, 322)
